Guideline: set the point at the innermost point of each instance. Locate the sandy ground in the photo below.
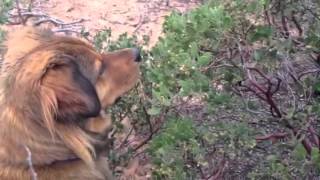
(139, 17)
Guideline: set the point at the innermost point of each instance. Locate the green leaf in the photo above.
(219, 98)
(300, 152)
(317, 87)
(261, 32)
(154, 111)
(186, 86)
(204, 59)
(272, 158)
(229, 76)
(252, 6)
(258, 54)
(315, 154)
(194, 51)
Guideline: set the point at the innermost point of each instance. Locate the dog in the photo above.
(53, 93)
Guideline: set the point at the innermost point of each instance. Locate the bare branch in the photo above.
(272, 137)
(22, 20)
(56, 22)
(296, 23)
(125, 139)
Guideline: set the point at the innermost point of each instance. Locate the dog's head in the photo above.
(84, 82)
(59, 80)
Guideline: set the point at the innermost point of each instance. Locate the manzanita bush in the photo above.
(231, 91)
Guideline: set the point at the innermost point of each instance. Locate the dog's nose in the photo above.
(137, 55)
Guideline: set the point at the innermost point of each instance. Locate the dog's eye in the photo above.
(102, 69)
(55, 66)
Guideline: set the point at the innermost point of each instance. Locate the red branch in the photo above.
(217, 175)
(153, 130)
(314, 136)
(273, 137)
(265, 93)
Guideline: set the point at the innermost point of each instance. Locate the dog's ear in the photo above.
(75, 96)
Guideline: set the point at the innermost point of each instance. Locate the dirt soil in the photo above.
(139, 17)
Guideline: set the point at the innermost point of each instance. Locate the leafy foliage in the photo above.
(5, 5)
(230, 91)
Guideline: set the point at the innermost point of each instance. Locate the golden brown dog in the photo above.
(53, 90)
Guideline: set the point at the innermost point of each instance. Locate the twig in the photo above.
(66, 31)
(284, 24)
(24, 14)
(140, 23)
(29, 160)
(196, 165)
(314, 136)
(296, 23)
(155, 130)
(218, 174)
(267, 96)
(266, 14)
(272, 137)
(125, 139)
(30, 5)
(145, 141)
(23, 21)
(315, 15)
(308, 72)
(148, 118)
(56, 22)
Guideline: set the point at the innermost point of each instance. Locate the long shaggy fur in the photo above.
(53, 90)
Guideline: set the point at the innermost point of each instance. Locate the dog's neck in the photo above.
(19, 134)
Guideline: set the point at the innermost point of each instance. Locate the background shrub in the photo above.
(231, 91)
